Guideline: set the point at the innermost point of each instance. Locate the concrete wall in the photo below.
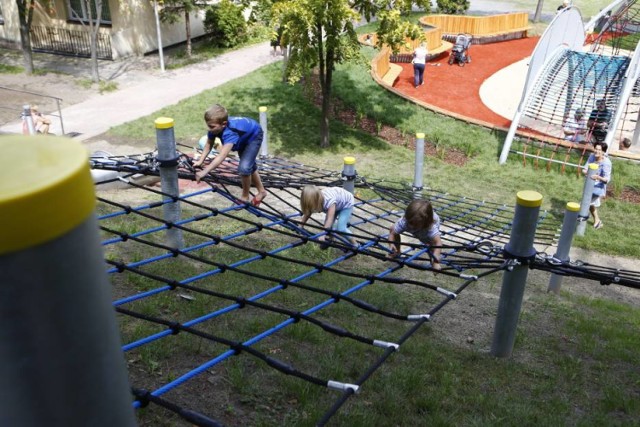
(132, 31)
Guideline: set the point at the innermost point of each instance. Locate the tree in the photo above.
(172, 11)
(536, 17)
(94, 8)
(453, 7)
(321, 35)
(25, 13)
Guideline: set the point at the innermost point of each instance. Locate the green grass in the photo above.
(10, 69)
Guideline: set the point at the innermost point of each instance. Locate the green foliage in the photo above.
(453, 7)
(393, 30)
(225, 23)
(107, 86)
(10, 69)
(174, 10)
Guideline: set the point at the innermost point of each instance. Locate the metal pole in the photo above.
(417, 177)
(264, 149)
(587, 194)
(60, 115)
(159, 34)
(168, 159)
(564, 243)
(26, 117)
(349, 174)
(61, 361)
(520, 247)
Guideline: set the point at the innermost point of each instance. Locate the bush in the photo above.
(453, 7)
(225, 24)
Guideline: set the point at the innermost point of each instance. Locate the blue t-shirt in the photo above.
(239, 131)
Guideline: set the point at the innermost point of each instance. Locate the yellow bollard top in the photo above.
(46, 190)
(349, 160)
(262, 109)
(163, 123)
(529, 199)
(420, 135)
(573, 206)
(593, 166)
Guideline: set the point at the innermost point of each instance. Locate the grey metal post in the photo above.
(587, 194)
(26, 116)
(264, 148)
(417, 177)
(564, 242)
(513, 282)
(349, 174)
(168, 158)
(61, 361)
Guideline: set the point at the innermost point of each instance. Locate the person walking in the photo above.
(419, 62)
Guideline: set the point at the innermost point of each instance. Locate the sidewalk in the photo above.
(155, 90)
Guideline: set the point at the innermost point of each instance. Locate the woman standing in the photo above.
(419, 61)
(602, 177)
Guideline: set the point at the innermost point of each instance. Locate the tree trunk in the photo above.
(25, 13)
(94, 27)
(187, 23)
(326, 104)
(536, 17)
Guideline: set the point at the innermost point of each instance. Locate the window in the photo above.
(78, 11)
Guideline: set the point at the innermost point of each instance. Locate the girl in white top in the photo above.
(336, 202)
(424, 224)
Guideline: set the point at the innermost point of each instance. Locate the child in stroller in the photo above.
(460, 51)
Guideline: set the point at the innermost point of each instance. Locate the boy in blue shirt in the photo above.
(239, 134)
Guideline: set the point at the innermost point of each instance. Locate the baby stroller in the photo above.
(460, 51)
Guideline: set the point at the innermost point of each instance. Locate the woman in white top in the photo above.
(419, 61)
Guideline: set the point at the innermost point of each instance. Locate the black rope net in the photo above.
(575, 80)
(251, 298)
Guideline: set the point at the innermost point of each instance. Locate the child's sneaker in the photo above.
(598, 225)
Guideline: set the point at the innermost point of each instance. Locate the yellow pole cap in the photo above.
(420, 135)
(163, 123)
(573, 206)
(529, 199)
(593, 166)
(262, 109)
(349, 160)
(46, 190)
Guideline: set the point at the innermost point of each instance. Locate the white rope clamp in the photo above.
(385, 344)
(336, 385)
(418, 316)
(445, 292)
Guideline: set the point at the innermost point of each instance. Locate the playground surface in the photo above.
(456, 91)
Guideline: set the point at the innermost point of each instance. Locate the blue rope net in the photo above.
(253, 299)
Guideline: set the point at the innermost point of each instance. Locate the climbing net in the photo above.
(251, 297)
(573, 80)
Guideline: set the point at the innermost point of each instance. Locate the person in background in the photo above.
(423, 223)
(40, 122)
(602, 177)
(575, 128)
(625, 144)
(598, 123)
(564, 5)
(419, 61)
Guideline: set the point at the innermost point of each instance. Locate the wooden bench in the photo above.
(392, 74)
(484, 29)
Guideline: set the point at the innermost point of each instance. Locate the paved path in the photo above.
(155, 91)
